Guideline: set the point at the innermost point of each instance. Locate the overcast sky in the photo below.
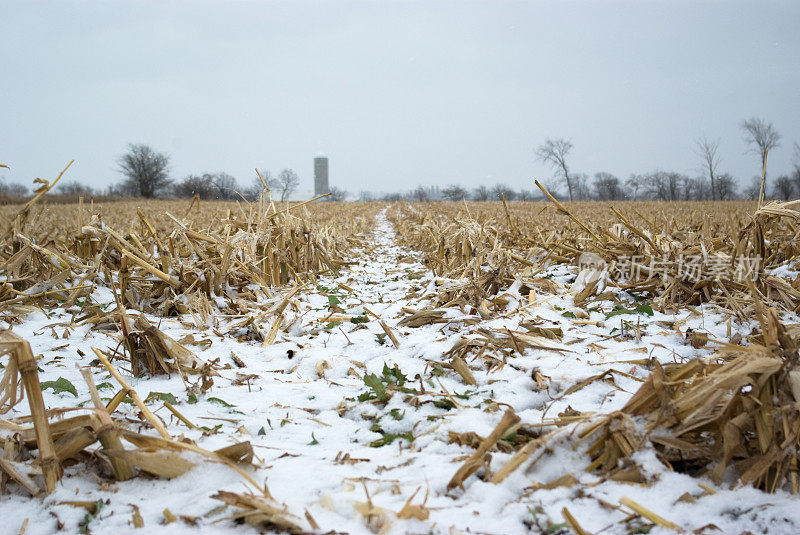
(394, 93)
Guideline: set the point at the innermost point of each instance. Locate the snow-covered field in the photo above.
(332, 447)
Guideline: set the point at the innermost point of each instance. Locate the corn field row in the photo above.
(484, 295)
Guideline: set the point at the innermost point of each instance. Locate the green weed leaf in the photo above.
(60, 385)
(161, 396)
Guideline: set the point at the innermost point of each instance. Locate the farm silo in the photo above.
(320, 175)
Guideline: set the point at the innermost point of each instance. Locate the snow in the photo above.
(299, 420)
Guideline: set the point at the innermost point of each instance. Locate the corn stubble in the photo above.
(734, 412)
(216, 259)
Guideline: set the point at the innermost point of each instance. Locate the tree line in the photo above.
(146, 174)
(760, 136)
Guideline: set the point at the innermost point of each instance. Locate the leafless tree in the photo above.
(285, 184)
(581, 189)
(392, 197)
(634, 183)
(726, 187)
(499, 190)
(783, 188)
(607, 187)
(225, 185)
(796, 165)
(708, 152)
(454, 192)
(75, 189)
(796, 156)
(220, 186)
(12, 189)
(695, 189)
(526, 195)
(337, 195)
(425, 194)
(15, 189)
(481, 193)
(257, 187)
(554, 152)
(753, 191)
(763, 136)
(264, 174)
(420, 194)
(145, 171)
(664, 185)
(194, 185)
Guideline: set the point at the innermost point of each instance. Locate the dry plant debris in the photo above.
(451, 367)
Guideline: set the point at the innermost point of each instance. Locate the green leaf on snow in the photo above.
(161, 396)
(220, 402)
(60, 385)
(618, 310)
(372, 381)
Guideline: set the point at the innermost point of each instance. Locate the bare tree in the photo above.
(425, 194)
(554, 152)
(753, 191)
(763, 136)
(580, 187)
(505, 191)
(783, 188)
(257, 187)
(796, 156)
(726, 187)
(392, 197)
(145, 171)
(337, 195)
(194, 185)
(208, 186)
(420, 194)
(285, 184)
(607, 187)
(15, 189)
(698, 189)
(264, 174)
(224, 185)
(664, 185)
(454, 193)
(12, 189)
(75, 189)
(708, 152)
(634, 183)
(481, 193)
(796, 165)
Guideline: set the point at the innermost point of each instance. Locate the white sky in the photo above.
(395, 93)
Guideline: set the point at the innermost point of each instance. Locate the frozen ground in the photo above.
(320, 449)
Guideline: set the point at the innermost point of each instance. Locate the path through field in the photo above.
(356, 435)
